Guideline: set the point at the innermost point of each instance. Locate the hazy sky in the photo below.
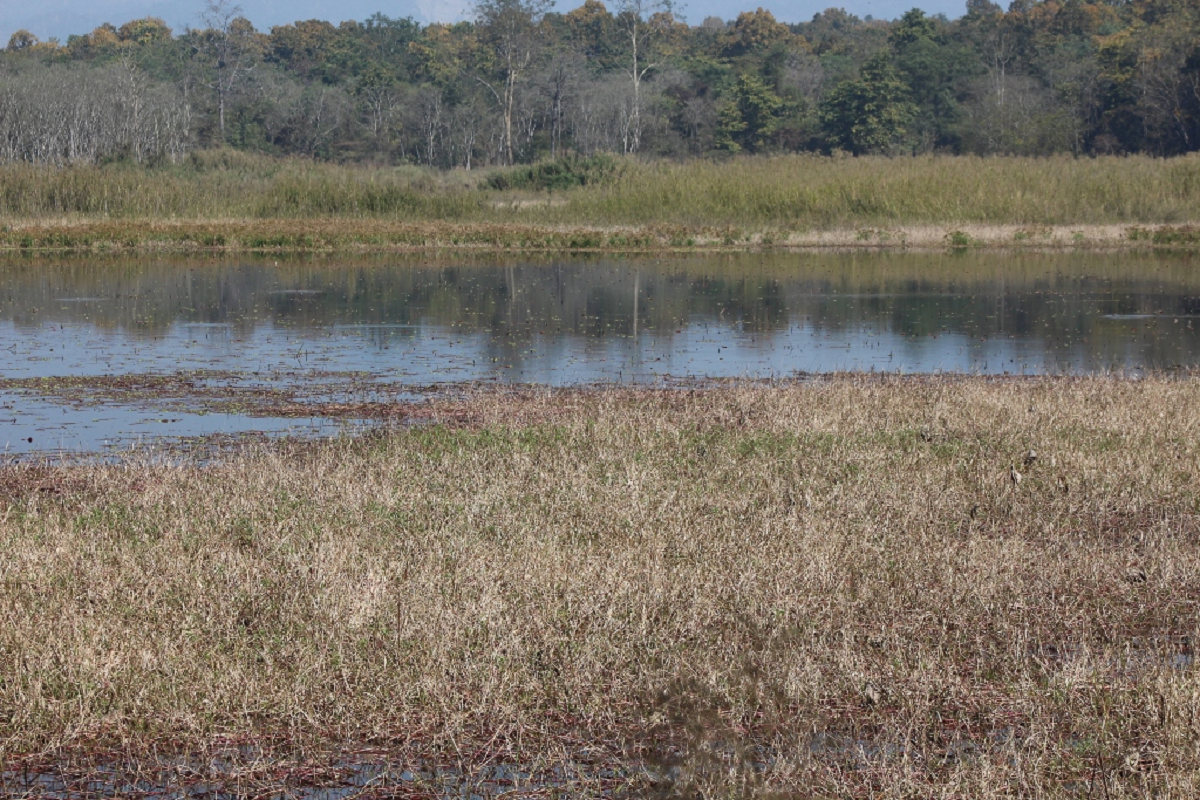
(60, 18)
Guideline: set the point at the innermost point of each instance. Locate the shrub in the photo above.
(561, 173)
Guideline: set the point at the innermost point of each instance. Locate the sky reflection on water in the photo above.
(581, 321)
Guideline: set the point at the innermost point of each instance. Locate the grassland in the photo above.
(235, 201)
(850, 587)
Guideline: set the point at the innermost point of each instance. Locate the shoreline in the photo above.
(335, 235)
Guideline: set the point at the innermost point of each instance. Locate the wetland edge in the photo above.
(359, 235)
(843, 587)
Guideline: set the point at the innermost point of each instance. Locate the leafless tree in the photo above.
(1075, 78)
(556, 84)
(62, 115)
(381, 96)
(427, 119)
(599, 115)
(803, 73)
(510, 27)
(317, 118)
(228, 43)
(1027, 118)
(464, 126)
(641, 21)
(1164, 89)
(999, 44)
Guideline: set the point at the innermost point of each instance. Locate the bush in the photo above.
(561, 173)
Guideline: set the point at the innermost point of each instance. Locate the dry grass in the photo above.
(97, 236)
(238, 201)
(838, 588)
(325, 234)
(802, 192)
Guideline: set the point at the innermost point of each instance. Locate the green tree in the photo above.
(756, 30)
(304, 46)
(592, 32)
(872, 114)
(751, 115)
(937, 71)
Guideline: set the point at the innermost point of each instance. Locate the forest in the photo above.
(522, 82)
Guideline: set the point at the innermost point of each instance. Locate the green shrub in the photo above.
(561, 173)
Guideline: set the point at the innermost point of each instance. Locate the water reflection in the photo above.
(573, 321)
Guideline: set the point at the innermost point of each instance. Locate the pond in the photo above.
(108, 353)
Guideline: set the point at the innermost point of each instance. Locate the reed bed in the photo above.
(341, 236)
(787, 193)
(799, 191)
(847, 587)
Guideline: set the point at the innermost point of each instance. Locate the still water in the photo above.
(383, 325)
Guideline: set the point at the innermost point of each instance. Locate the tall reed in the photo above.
(783, 192)
(799, 191)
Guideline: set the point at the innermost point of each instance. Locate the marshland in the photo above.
(849, 586)
(106, 352)
(601, 404)
(580, 525)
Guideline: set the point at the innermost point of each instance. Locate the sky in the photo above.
(60, 18)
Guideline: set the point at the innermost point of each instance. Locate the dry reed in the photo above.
(234, 200)
(330, 235)
(848, 587)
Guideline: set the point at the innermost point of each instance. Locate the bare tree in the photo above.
(64, 115)
(465, 122)
(803, 73)
(1075, 76)
(316, 118)
(999, 46)
(1027, 119)
(556, 83)
(641, 21)
(381, 95)
(599, 115)
(228, 42)
(428, 112)
(510, 27)
(693, 115)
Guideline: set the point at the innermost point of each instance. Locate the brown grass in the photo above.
(838, 588)
(375, 235)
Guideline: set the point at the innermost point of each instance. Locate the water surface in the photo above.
(379, 326)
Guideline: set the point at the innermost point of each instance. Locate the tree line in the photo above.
(522, 82)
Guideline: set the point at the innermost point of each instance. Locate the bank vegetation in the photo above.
(226, 199)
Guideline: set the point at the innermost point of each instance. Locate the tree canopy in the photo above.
(524, 80)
